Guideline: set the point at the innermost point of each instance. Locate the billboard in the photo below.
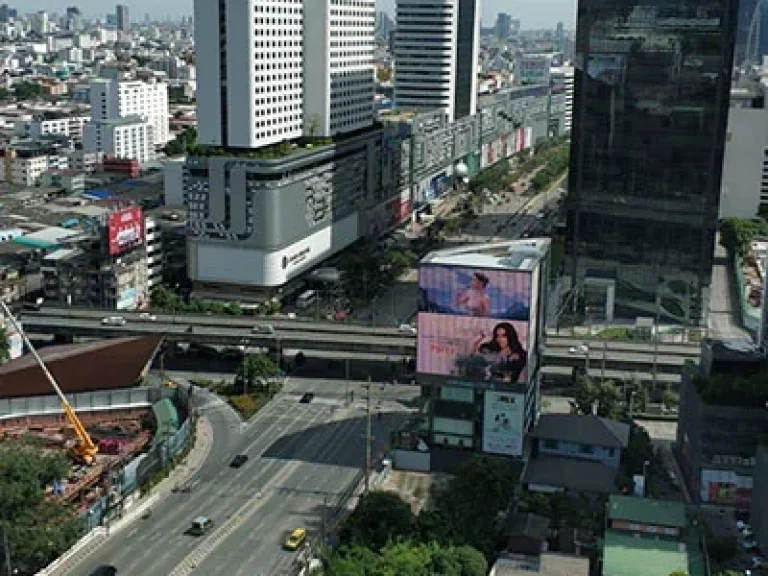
(125, 230)
(503, 416)
(473, 323)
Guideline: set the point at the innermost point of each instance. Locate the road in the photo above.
(724, 314)
(300, 454)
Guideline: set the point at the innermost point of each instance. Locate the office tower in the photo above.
(4, 12)
(38, 23)
(121, 17)
(250, 65)
(503, 26)
(73, 11)
(559, 37)
(338, 66)
(436, 48)
(649, 120)
(752, 33)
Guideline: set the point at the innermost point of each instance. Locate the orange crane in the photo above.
(86, 449)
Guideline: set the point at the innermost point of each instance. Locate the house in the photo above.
(526, 533)
(574, 453)
(646, 537)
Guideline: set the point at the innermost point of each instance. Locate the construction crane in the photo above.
(86, 450)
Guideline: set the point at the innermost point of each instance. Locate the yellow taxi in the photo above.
(295, 539)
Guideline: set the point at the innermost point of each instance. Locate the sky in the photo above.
(532, 13)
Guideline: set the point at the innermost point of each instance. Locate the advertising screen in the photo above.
(473, 323)
(125, 229)
(503, 423)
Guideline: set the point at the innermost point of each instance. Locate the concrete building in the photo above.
(24, 162)
(250, 65)
(153, 244)
(503, 26)
(122, 18)
(70, 126)
(38, 23)
(130, 138)
(112, 99)
(759, 516)
(436, 55)
(561, 81)
(338, 66)
(744, 188)
(532, 69)
(105, 267)
(722, 417)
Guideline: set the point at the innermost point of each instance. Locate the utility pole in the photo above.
(602, 364)
(7, 549)
(655, 336)
(367, 435)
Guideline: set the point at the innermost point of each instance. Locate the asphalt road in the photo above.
(300, 454)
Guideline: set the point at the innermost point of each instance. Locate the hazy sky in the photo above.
(532, 13)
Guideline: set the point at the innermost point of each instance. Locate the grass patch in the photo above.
(249, 404)
(615, 333)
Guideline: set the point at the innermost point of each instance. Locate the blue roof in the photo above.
(132, 183)
(98, 194)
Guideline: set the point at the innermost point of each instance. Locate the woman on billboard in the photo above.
(474, 299)
(500, 358)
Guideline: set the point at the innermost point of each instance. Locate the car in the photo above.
(580, 349)
(758, 562)
(749, 544)
(263, 329)
(113, 321)
(406, 329)
(295, 539)
(238, 461)
(147, 316)
(104, 570)
(200, 526)
(306, 398)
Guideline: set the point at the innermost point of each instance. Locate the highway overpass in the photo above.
(344, 339)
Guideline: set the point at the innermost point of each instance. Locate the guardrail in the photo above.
(102, 400)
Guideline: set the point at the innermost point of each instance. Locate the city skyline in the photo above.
(532, 13)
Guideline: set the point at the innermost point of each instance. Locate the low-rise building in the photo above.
(721, 418)
(646, 537)
(85, 161)
(576, 454)
(70, 126)
(71, 181)
(546, 564)
(106, 267)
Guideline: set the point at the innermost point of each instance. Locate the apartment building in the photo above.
(130, 138)
(70, 126)
(112, 98)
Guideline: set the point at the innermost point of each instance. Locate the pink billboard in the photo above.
(475, 349)
(473, 323)
(125, 229)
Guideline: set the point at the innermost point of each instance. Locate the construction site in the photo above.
(92, 403)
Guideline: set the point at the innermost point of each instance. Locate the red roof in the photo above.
(106, 364)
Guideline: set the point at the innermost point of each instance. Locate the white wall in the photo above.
(235, 265)
(747, 138)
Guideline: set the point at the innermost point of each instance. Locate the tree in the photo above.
(608, 400)
(27, 91)
(638, 451)
(670, 399)
(39, 529)
(255, 369)
(722, 549)
(737, 234)
(678, 573)
(378, 519)
(585, 395)
(383, 74)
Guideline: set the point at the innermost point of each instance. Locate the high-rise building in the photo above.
(250, 65)
(122, 20)
(4, 12)
(559, 37)
(38, 23)
(503, 26)
(436, 55)
(649, 122)
(338, 66)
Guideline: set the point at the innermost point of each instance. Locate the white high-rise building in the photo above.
(436, 55)
(129, 137)
(338, 66)
(114, 99)
(249, 61)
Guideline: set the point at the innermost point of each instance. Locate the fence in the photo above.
(124, 398)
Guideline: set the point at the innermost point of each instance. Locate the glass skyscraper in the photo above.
(649, 121)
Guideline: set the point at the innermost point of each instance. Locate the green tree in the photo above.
(609, 401)
(670, 399)
(379, 518)
(469, 560)
(357, 560)
(638, 451)
(254, 373)
(678, 573)
(166, 300)
(737, 234)
(27, 91)
(585, 395)
(39, 529)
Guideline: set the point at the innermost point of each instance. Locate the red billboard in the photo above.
(125, 230)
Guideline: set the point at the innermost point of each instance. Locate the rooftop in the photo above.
(571, 474)
(547, 564)
(512, 255)
(592, 430)
(647, 511)
(629, 555)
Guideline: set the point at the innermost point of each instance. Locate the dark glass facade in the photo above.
(649, 120)
(465, 59)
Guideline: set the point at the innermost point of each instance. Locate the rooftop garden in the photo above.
(745, 391)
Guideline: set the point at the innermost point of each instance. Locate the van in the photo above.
(306, 299)
(200, 526)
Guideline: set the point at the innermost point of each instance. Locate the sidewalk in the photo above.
(136, 506)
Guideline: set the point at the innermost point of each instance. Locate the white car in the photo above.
(113, 321)
(406, 329)
(580, 349)
(147, 317)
